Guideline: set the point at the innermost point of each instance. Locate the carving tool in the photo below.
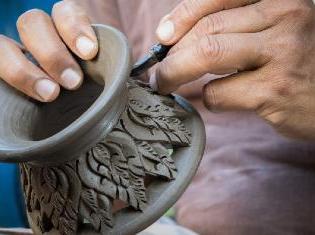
(156, 54)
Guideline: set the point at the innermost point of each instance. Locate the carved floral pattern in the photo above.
(142, 143)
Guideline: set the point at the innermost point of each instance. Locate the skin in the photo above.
(268, 45)
(48, 38)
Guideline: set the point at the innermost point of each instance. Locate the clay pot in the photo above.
(98, 145)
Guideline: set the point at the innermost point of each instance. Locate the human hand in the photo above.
(271, 45)
(47, 39)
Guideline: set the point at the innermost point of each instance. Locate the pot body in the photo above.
(109, 158)
(125, 181)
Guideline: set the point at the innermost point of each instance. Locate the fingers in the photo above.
(20, 73)
(75, 29)
(175, 25)
(248, 19)
(216, 54)
(39, 36)
(245, 91)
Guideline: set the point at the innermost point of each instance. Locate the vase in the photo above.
(108, 158)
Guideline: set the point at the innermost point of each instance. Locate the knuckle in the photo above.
(285, 8)
(264, 12)
(294, 42)
(51, 59)
(15, 76)
(283, 86)
(298, 7)
(289, 43)
(209, 96)
(210, 47)
(201, 28)
(264, 52)
(282, 89)
(30, 16)
(190, 7)
(214, 24)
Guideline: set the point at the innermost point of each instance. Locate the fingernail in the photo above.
(46, 89)
(85, 46)
(70, 79)
(153, 82)
(165, 30)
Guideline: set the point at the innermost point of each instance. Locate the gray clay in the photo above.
(114, 141)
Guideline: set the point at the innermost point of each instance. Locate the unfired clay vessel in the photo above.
(113, 143)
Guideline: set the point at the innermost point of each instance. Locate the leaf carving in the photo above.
(153, 105)
(174, 129)
(154, 119)
(142, 143)
(135, 171)
(96, 208)
(157, 160)
(54, 192)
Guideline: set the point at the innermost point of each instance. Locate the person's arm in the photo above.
(269, 43)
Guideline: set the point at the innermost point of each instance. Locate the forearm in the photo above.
(103, 11)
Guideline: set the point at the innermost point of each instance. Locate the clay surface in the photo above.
(112, 142)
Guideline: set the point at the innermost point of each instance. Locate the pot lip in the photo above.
(83, 123)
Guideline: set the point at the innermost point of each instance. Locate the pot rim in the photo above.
(95, 113)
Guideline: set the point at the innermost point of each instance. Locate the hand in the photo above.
(46, 39)
(270, 44)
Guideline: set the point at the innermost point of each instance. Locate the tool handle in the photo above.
(160, 51)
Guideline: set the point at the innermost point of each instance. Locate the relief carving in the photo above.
(81, 191)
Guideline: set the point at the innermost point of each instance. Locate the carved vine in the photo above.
(84, 190)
